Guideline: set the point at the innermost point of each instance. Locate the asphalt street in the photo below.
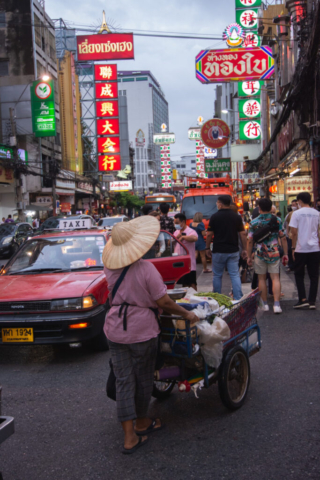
(66, 427)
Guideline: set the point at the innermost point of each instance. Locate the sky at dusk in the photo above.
(171, 61)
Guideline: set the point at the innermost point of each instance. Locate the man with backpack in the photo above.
(265, 232)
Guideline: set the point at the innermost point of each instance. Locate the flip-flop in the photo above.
(207, 271)
(152, 428)
(128, 451)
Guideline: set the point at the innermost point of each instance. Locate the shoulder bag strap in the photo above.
(119, 281)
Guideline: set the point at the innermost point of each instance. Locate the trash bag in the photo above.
(211, 340)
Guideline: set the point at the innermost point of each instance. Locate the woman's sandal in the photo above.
(207, 271)
(128, 451)
(153, 427)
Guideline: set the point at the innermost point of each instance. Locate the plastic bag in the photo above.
(211, 301)
(211, 340)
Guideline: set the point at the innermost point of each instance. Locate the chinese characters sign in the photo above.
(249, 177)
(114, 46)
(216, 66)
(248, 3)
(250, 108)
(247, 18)
(43, 108)
(249, 88)
(165, 166)
(215, 133)
(107, 124)
(218, 165)
(296, 185)
(249, 130)
(200, 159)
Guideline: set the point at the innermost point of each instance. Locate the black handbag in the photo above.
(264, 232)
(111, 382)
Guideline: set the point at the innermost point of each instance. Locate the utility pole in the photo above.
(19, 193)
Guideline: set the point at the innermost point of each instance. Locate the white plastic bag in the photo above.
(212, 302)
(211, 340)
(202, 311)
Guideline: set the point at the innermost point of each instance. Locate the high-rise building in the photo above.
(147, 110)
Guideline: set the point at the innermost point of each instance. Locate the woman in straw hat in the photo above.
(131, 324)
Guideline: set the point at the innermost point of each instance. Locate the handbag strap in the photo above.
(119, 281)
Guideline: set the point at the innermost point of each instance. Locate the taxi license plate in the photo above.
(21, 335)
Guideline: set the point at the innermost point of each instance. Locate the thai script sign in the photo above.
(124, 186)
(111, 46)
(296, 185)
(194, 133)
(43, 108)
(164, 138)
(216, 66)
(6, 152)
(250, 108)
(215, 133)
(249, 130)
(249, 177)
(217, 165)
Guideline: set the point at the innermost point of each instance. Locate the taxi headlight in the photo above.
(89, 302)
(7, 240)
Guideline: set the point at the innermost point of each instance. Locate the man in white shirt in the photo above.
(305, 225)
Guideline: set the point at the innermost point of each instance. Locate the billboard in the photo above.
(111, 46)
(122, 186)
(43, 108)
(216, 66)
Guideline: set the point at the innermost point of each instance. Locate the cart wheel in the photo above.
(162, 390)
(234, 378)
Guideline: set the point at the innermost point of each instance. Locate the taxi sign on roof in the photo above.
(73, 224)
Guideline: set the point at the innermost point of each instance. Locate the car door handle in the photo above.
(178, 264)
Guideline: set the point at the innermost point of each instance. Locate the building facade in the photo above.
(147, 110)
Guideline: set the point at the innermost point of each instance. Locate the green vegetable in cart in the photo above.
(223, 300)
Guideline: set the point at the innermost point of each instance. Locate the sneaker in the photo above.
(277, 309)
(312, 306)
(265, 308)
(303, 304)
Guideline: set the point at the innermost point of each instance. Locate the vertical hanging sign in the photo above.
(43, 108)
(107, 122)
(165, 166)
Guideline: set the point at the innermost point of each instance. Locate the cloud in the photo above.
(171, 61)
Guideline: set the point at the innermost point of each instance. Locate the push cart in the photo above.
(183, 362)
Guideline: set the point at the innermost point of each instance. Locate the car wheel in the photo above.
(99, 343)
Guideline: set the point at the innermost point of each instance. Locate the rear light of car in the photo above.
(79, 325)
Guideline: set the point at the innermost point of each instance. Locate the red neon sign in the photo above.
(107, 108)
(108, 145)
(114, 46)
(106, 90)
(106, 72)
(109, 163)
(108, 126)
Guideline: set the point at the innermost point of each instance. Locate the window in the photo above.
(128, 79)
(142, 79)
(193, 161)
(120, 93)
(178, 166)
(124, 93)
(165, 246)
(137, 154)
(183, 166)
(138, 167)
(206, 204)
(226, 101)
(4, 68)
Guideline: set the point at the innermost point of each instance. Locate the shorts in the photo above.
(188, 279)
(261, 267)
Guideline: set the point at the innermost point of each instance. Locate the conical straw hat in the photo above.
(130, 241)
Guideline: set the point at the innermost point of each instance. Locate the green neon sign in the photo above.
(43, 108)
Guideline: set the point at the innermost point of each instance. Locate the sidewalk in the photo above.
(288, 285)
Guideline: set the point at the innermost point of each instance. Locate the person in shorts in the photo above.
(267, 256)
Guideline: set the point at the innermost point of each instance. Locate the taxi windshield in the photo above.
(45, 255)
(206, 204)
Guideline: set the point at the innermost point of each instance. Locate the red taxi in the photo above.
(54, 289)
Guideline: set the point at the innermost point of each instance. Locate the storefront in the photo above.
(7, 192)
(84, 197)
(65, 191)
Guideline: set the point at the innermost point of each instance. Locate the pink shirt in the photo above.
(190, 246)
(141, 287)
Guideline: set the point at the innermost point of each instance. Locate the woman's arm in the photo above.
(168, 305)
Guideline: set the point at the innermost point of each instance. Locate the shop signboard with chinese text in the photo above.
(122, 186)
(248, 18)
(108, 108)
(111, 46)
(164, 138)
(43, 108)
(215, 133)
(216, 66)
(165, 155)
(252, 39)
(106, 90)
(249, 178)
(105, 72)
(109, 163)
(249, 130)
(249, 88)
(217, 165)
(249, 108)
(295, 185)
(108, 127)
(108, 145)
(242, 4)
